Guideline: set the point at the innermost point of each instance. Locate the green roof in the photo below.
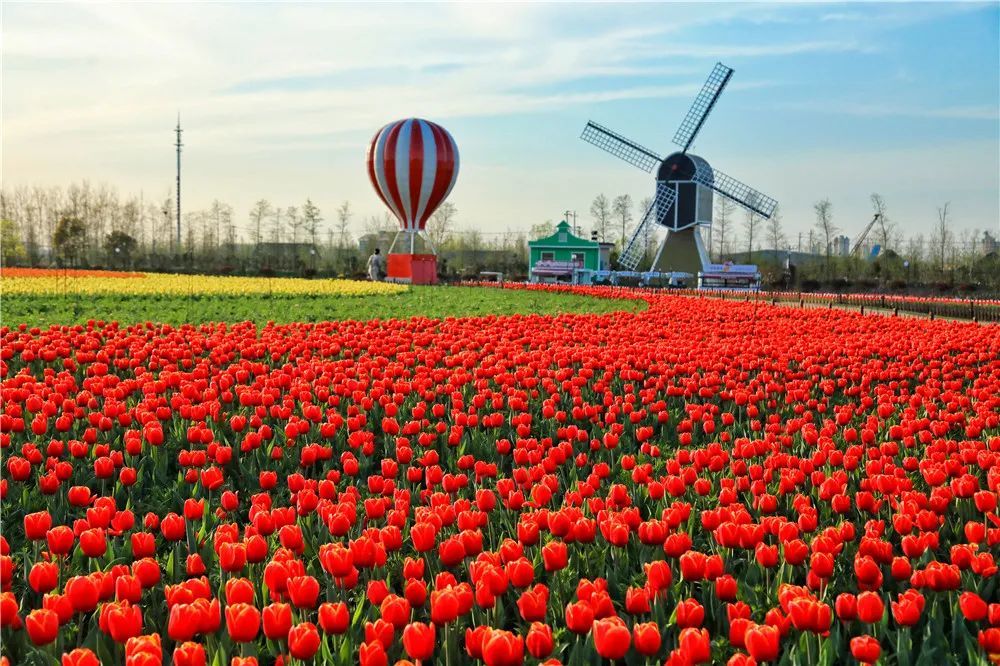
(571, 240)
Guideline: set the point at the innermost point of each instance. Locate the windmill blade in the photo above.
(620, 147)
(702, 106)
(635, 248)
(739, 192)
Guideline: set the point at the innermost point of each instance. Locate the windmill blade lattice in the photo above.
(620, 147)
(635, 249)
(702, 106)
(739, 192)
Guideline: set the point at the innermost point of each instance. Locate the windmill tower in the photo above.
(685, 184)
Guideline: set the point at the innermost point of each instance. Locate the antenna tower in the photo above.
(178, 145)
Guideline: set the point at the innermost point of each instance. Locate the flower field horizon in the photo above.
(46, 297)
(690, 481)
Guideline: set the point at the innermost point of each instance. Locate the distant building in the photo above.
(559, 255)
(841, 246)
(990, 243)
(382, 240)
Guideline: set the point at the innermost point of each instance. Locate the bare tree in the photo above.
(942, 235)
(191, 220)
(221, 215)
(621, 208)
(381, 223)
(260, 211)
(600, 210)
(226, 222)
(885, 229)
(826, 228)
(915, 248)
(775, 234)
(294, 222)
(344, 224)
(724, 209)
(541, 230)
(441, 223)
(276, 225)
(311, 220)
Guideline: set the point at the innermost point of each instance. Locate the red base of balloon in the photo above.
(412, 268)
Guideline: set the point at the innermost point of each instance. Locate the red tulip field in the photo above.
(697, 481)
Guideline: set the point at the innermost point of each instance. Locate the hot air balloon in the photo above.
(412, 164)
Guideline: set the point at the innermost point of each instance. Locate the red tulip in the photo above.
(334, 618)
(277, 621)
(242, 622)
(44, 577)
(646, 637)
(554, 556)
(80, 657)
(906, 612)
(539, 640)
(846, 606)
(696, 645)
(532, 603)
(239, 590)
(418, 640)
(189, 654)
(502, 648)
(380, 631)
(183, 622)
(690, 613)
(870, 607)
(59, 540)
(972, 606)
(763, 642)
(172, 527)
(303, 591)
(42, 626)
(303, 641)
(372, 654)
(396, 610)
(579, 617)
(232, 556)
(989, 640)
(809, 615)
(36, 525)
(444, 606)
(865, 649)
(82, 593)
(121, 620)
(611, 638)
(146, 649)
(58, 603)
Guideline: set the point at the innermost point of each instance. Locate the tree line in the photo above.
(86, 225)
(945, 255)
(93, 226)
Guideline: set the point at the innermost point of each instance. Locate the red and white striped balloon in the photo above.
(413, 164)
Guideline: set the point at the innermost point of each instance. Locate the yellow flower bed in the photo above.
(162, 284)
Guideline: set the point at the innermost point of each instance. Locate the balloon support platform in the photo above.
(412, 268)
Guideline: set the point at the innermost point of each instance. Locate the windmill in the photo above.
(684, 187)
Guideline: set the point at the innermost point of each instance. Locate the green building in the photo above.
(559, 255)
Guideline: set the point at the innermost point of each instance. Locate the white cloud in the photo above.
(278, 100)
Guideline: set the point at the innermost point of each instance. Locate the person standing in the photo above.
(375, 266)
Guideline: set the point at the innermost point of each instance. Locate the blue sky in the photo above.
(279, 101)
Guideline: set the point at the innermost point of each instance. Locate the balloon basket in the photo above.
(412, 269)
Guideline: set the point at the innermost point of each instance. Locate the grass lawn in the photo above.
(435, 302)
